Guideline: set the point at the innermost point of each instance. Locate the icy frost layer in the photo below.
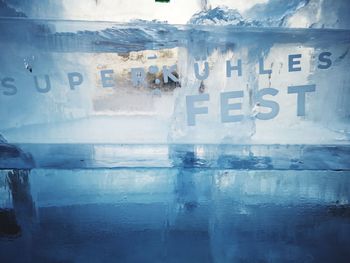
(257, 16)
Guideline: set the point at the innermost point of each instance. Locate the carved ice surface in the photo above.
(77, 76)
(79, 86)
(188, 131)
(175, 215)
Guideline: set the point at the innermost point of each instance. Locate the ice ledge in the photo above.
(209, 156)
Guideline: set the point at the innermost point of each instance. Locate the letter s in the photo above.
(324, 57)
(12, 90)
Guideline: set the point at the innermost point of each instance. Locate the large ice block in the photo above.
(104, 82)
(176, 215)
(174, 131)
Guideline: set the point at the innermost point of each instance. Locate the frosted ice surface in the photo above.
(140, 215)
(160, 117)
(251, 191)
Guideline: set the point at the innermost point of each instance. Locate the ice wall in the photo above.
(157, 114)
(166, 214)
